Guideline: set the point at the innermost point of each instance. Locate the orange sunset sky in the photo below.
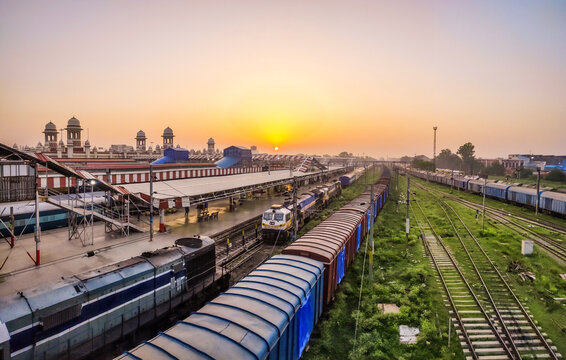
(318, 77)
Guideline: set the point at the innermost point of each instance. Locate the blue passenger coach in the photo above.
(269, 314)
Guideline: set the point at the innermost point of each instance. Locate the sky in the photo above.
(316, 77)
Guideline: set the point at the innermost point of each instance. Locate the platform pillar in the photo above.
(12, 227)
(161, 220)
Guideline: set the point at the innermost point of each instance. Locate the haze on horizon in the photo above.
(307, 76)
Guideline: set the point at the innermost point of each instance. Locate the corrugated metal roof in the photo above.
(243, 323)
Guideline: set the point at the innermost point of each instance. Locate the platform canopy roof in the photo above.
(9, 153)
(203, 189)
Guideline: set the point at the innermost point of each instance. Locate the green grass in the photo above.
(504, 248)
(402, 276)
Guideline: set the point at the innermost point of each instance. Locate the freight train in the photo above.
(349, 178)
(271, 313)
(550, 202)
(79, 314)
(277, 222)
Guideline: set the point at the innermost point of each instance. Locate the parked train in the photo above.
(277, 222)
(79, 314)
(551, 202)
(271, 313)
(50, 216)
(347, 179)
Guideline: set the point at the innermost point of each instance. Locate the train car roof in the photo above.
(193, 248)
(110, 274)
(554, 195)
(163, 256)
(243, 323)
(313, 250)
(13, 307)
(523, 190)
(53, 294)
(498, 185)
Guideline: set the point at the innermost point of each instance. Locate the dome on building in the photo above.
(168, 131)
(50, 126)
(140, 134)
(87, 143)
(15, 146)
(74, 122)
(211, 141)
(39, 144)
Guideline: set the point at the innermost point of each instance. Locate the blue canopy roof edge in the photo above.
(227, 162)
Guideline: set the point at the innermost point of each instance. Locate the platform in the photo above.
(61, 257)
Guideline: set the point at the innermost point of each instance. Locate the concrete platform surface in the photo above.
(61, 257)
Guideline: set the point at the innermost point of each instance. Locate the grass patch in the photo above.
(503, 246)
(402, 276)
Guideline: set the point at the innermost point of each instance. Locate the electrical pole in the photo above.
(150, 202)
(37, 224)
(483, 211)
(434, 150)
(407, 213)
(370, 277)
(295, 212)
(538, 189)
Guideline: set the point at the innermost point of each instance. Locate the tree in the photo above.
(556, 175)
(496, 169)
(523, 173)
(345, 154)
(467, 152)
(423, 165)
(448, 160)
(406, 159)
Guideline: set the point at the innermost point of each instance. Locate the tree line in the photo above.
(465, 160)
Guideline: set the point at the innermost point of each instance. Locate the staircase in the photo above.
(304, 165)
(82, 207)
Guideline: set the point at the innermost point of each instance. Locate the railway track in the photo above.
(550, 245)
(490, 320)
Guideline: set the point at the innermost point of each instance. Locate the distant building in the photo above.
(210, 144)
(121, 148)
(74, 130)
(50, 137)
(235, 156)
(167, 138)
(140, 141)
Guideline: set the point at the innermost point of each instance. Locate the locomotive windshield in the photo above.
(267, 216)
(279, 217)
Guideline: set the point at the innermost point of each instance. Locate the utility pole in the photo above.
(150, 202)
(538, 190)
(370, 277)
(483, 211)
(37, 224)
(434, 150)
(407, 225)
(452, 182)
(295, 212)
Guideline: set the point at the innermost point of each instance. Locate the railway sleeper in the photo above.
(490, 357)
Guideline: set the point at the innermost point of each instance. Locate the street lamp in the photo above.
(92, 183)
(538, 189)
(434, 150)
